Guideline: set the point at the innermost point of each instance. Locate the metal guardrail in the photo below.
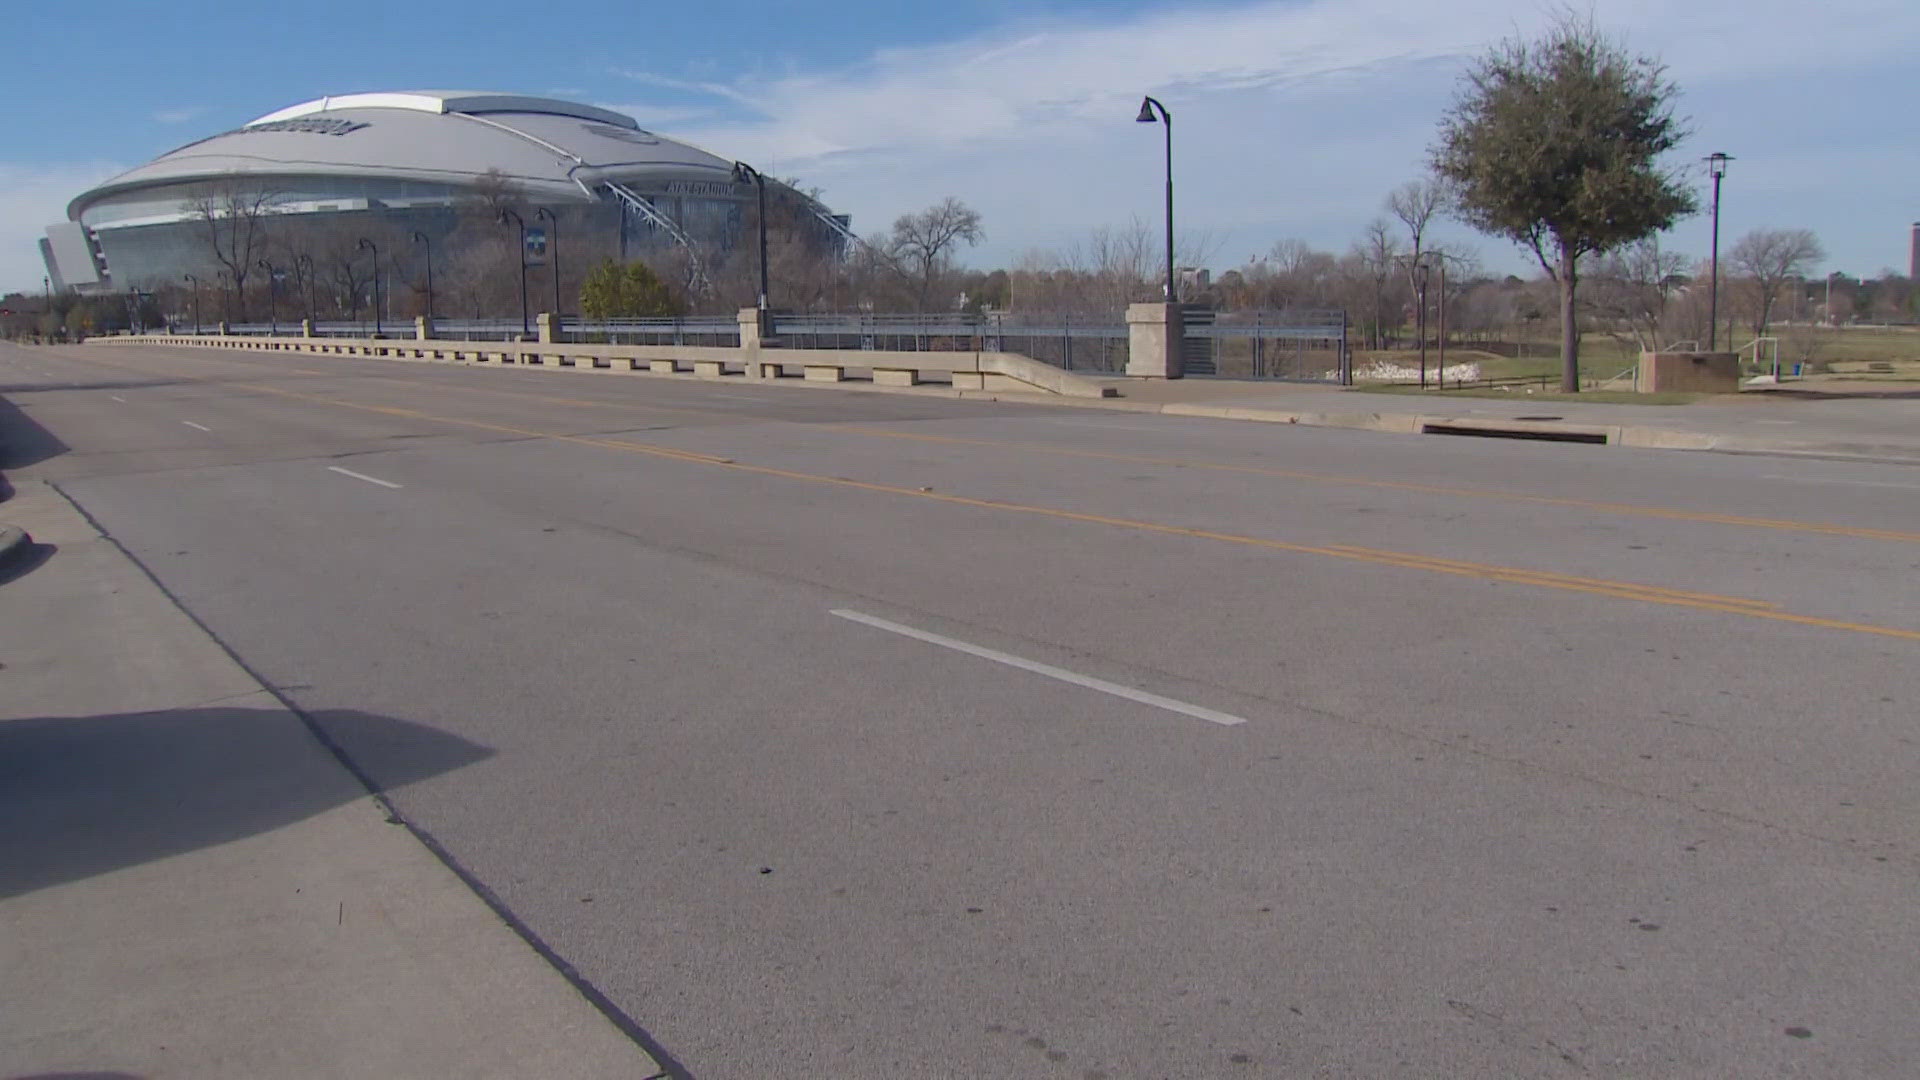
(1083, 344)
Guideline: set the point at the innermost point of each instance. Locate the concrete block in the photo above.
(896, 377)
(969, 380)
(711, 369)
(825, 373)
(661, 367)
(1689, 372)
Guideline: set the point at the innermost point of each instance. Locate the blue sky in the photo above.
(1293, 119)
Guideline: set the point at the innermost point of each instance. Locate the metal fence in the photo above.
(1075, 343)
(720, 331)
(1289, 345)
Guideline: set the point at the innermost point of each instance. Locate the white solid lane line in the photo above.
(1051, 672)
(191, 424)
(118, 398)
(363, 476)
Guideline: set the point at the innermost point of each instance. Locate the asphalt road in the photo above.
(860, 735)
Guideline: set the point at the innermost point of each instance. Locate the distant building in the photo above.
(406, 163)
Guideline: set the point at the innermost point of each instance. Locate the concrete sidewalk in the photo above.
(192, 885)
(1783, 421)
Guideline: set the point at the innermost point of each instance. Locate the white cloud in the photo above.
(31, 198)
(177, 116)
(1290, 118)
(660, 116)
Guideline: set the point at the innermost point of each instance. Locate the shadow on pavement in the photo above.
(22, 441)
(85, 795)
(32, 558)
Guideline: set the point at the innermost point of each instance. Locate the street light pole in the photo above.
(1717, 168)
(303, 265)
(273, 312)
(1148, 107)
(369, 245)
(525, 327)
(422, 238)
(1421, 270)
(553, 250)
(743, 172)
(195, 282)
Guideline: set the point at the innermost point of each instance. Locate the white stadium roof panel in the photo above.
(448, 101)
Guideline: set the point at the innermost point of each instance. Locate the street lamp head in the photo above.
(367, 245)
(744, 173)
(420, 237)
(1146, 111)
(1717, 164)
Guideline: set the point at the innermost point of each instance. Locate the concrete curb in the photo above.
(14, 543)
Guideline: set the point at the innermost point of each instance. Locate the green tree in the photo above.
(1555, 143)
(633, 290)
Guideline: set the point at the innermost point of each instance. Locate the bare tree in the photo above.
(231, 217)
(1416, 203)
(1769, 258)
(1632, 290)
(922, 245)
(1378, 251)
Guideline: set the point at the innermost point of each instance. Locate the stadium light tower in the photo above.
(1148, 107)
(369, 245)
(742, 173)
(525, 326)
(1717, 168)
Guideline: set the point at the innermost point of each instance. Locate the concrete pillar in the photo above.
(422, 328)
(1154, 336)
(225, 328)
(306, 328)
(549, 327)
(753, 335)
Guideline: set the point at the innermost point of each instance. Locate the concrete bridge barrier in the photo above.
(984, 371)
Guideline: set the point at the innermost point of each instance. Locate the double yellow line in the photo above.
(1630, 509)
(1623, 590)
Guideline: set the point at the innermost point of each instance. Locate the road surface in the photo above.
(868, 735)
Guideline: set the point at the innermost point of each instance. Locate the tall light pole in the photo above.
(553, 254)
(303, 265)
(195, 282)
(369, 245)
(1717, 168)
(742, 173)
(1421, 269)
(423, 239)
(525, 327)
(273, 310)
(1148, 107)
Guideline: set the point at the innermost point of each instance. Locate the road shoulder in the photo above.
(192, 885)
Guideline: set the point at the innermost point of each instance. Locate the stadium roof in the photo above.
(551, 149)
